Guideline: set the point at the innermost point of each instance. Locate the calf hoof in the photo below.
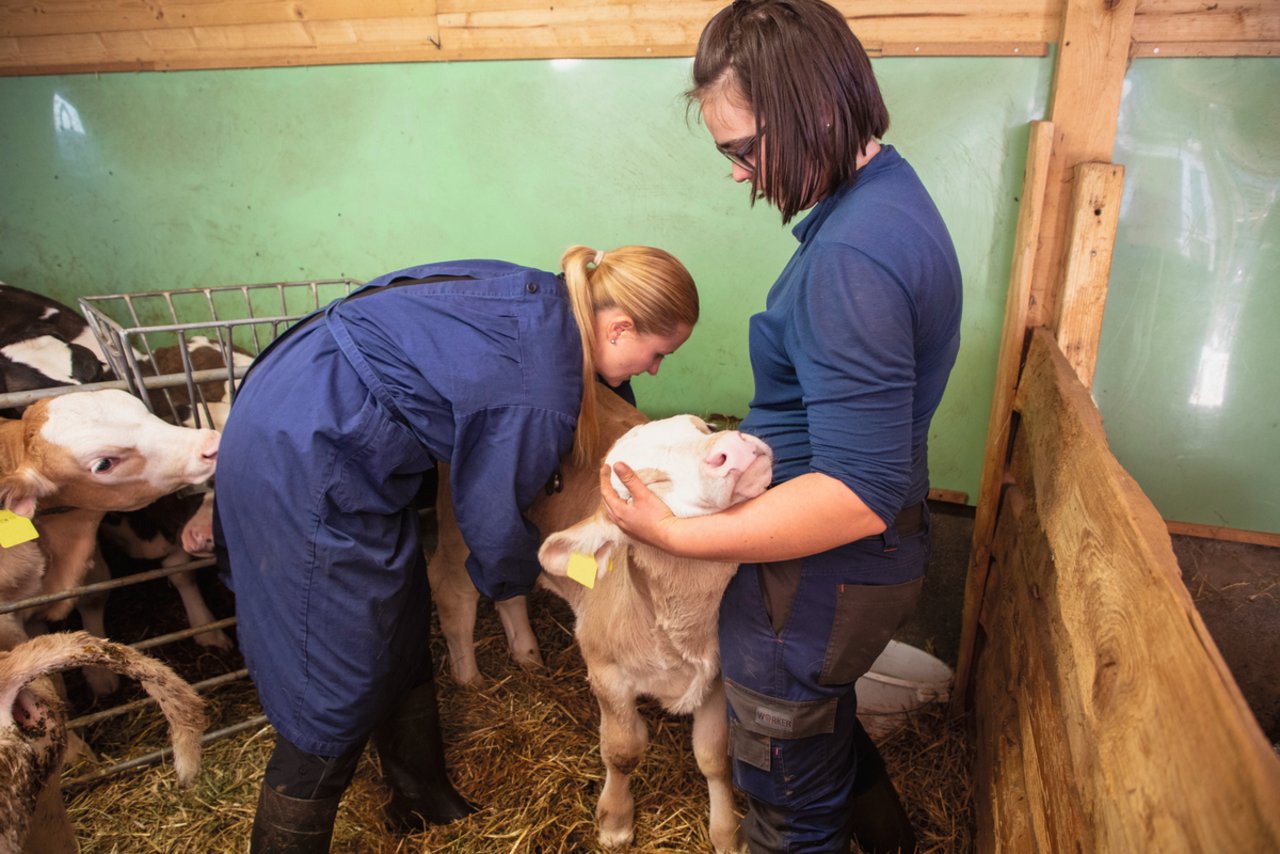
(616, 828)
(616, 838)
(214, 640)
(735, 844)
(528, 659)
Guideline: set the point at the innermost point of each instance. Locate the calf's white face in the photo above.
(693, 470)
(103, 450)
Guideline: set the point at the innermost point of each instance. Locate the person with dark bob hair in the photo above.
(850, 356)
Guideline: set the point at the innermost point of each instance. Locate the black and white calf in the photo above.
(44, 344)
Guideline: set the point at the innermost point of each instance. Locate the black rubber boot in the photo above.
(411, 750)
(877, 820)
(285, 825)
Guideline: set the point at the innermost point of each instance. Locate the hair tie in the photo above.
(599, 259)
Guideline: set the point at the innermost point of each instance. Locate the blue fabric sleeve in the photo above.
(502, 457)
(851, 342)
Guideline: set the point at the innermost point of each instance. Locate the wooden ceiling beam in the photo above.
(66, 36)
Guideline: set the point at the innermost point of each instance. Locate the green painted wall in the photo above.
(140, 182)
(1186, 379)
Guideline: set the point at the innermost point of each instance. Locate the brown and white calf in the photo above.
(33, 734)
(212, 402)
(70, 460)
(647, 624)
(176, 529)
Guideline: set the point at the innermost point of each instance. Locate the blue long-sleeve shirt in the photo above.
(858, 337)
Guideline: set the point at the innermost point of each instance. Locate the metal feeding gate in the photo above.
(183, 353)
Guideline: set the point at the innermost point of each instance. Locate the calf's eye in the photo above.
(101, 466)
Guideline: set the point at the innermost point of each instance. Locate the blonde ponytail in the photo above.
(649, 285)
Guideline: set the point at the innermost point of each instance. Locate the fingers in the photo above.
(612, 501)
(625, 474)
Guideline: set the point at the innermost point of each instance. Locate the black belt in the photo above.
(908, 523)
(910, 520)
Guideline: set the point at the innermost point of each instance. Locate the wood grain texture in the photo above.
(1084, 108)
(1109, 693)
(1026, 244)
(1091, 238)
(56, 36)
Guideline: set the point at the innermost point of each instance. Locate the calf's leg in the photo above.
(454, 595)
(623, 738)
(92, 609)
(455, 598)
(711, 749)
(521, 641)
(198, 613)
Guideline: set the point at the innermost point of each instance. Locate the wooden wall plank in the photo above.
(1091, 237)
(57, 36)
(1222, 21)
(374, 40)
(1213, 532)
(60, 17)
(1175, 49)
(1154, 737)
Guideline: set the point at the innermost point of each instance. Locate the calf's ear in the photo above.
(592, 537)
(20, 490)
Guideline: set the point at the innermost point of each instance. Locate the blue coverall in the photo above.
(850, 357)
(325, 449)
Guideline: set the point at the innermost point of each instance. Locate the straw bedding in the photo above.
(523, 747)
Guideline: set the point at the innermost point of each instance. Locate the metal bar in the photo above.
(26, 398)
(161, 754)
(161, 640)
(10, 607)
(125, 708)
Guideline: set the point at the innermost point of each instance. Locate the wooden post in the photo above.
(1084, 110)
(1085, 107)
(1095, 211)
(1016, 308)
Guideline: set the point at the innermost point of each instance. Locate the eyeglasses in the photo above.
(740, 155)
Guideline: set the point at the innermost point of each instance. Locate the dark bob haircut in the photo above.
(803, 73)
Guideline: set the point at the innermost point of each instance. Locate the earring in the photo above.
(613, 341)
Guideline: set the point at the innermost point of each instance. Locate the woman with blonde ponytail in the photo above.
(641, 301)
(488, 366)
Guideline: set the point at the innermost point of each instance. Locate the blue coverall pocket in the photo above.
(383, 472)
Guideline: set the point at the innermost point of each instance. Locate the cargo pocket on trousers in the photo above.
(758, 717)
(866, 617)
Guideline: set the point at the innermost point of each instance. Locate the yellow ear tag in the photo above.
(582, 569)
(15, 529)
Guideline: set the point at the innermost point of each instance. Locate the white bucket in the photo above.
(901, 680)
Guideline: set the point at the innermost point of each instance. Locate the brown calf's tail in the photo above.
(179, 702)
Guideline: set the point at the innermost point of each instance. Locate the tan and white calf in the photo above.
(70, 460)
(33, 734)
(576, 493)
(647, 625)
